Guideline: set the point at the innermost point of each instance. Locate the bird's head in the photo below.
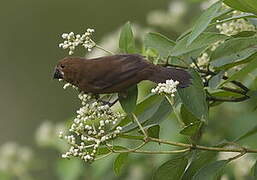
(67, 68)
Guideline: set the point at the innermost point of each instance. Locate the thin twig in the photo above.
(140, 126)
(237, 156)
(99, 47)
(199, 147)
(156, 152)
(104, 156)
(114, 102)
(241, 149)
(175, 112)
(125, 151)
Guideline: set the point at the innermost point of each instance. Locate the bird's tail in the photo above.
(161, 74)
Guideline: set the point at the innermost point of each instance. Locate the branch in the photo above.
(187, 147)
(206, 148)
(154, 152)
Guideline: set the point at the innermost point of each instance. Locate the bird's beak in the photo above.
(58, 74)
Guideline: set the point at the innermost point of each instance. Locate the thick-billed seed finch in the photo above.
(116, 73)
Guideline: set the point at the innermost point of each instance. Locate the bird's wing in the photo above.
(119, 68)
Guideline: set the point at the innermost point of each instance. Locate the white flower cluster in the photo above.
(235, 26)
(202, 60)
(71, 41)
(228, 28)
(93, 126)
(15, 159)
(169, 87)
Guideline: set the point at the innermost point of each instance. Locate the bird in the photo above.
(115, 73)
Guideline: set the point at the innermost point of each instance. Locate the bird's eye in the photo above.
(62, 66)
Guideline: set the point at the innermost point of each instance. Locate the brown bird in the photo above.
(112, 74)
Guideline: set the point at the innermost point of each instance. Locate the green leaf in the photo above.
(69, 169)
(226, 94)
(211, 171)
(145, 109)
(203, 22)
(253, 99)
(237, 63)
(161, 114)
(153, 130)
(245, 16)
(199, 160)
(191, 129)
(215, 80)
(127, 42)
(244, 34)
(154, 113)
(254, 170)
(243, 72)
(126, 136)
(218, 17)
(158, 42)
(222, 14)
(252, 4)
(129, 100)
(187, 116)
(202, 41)
(243, 5)
(120, 162)
(171, 170)
(194, 97)
(251, 132)
(234, 50)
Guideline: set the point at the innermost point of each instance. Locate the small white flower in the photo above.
(89, 129)
(65, 35)
(61, 134)
(66, 85)
(71, 41)
(233, 27)
(169, 87)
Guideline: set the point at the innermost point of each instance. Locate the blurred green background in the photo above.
(30, 33)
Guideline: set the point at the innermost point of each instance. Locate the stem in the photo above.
(155, 152)
(140, 126)
(188, 147)
(206, 148)
(175, 112)
(100, 47)
(104, 156)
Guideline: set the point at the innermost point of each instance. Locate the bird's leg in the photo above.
(114, 102)
(167, 61)
(108, 102)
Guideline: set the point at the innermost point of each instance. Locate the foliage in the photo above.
(231, 58)
(223, 69)
(219, 64)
